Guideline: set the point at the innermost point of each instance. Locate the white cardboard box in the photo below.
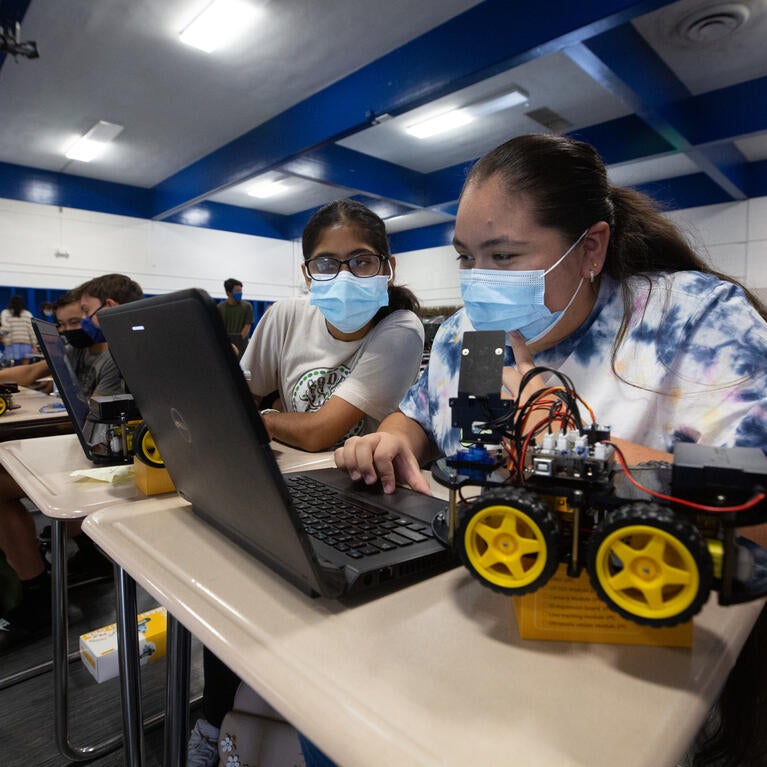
(98, 648)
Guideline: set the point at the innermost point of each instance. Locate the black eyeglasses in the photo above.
(95, 311)
(361, 265)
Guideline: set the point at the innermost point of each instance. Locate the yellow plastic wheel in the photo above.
(3, 405)
(145, 449)
(650, 565)
(509, 541)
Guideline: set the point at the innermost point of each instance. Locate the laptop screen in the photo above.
(63, 372)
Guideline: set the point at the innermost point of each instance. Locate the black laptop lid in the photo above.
(177, 361)
(61, 369)
(66, 380)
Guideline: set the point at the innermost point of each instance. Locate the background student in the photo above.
(16, 332)
(236, 313)
(338, 361)
(98, 375)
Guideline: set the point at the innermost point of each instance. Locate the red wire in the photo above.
(742, 507)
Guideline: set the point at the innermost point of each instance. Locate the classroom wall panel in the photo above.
(109, 243)
(756, 269)
(207, 257)
(432, 274)
(757, 219)
(45, 246)
(729, 258)
(714, 224)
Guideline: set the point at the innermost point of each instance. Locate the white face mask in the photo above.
(497, 299)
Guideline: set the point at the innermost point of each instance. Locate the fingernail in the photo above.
(370, 478)
(354, 475)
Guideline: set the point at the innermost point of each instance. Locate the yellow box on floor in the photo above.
(568, 609)
(98, 648)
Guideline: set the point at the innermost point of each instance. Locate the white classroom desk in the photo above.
(434, 674)
(42, 467)
(24, 419)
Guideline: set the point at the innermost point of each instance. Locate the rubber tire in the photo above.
(671, 525)
(522, 504)
(144, 448)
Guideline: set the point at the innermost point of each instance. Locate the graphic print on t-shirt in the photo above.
(314, 388)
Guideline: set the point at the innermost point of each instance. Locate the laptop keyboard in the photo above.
(354, 528)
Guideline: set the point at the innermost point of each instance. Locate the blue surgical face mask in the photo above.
(92, 330)
(348, 302)
(496, 299)
(237, 296)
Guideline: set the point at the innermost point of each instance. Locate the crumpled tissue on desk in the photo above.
(112, 474)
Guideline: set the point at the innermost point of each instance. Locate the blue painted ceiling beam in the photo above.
(757, 181)
(423, 238)
(692, 191)
(50, 188)
(711, 116)
(444, 186)
(232, 218)
(337, 165)
(624, 63)
(623, 139)
(437, 63)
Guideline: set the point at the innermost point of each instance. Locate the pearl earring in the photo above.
(591, 276)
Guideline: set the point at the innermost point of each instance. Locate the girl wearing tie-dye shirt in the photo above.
(593, 281)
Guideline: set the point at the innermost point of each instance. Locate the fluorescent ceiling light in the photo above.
(442, 123)
(267, 188)
(507, 100)
(94, 143)
(218, 24)
(456, 118)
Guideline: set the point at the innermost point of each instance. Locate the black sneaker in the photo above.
(23, 624)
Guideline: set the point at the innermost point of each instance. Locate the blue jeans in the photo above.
(312, 755)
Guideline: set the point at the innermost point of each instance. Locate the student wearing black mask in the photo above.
(98, 374)
(68, 315)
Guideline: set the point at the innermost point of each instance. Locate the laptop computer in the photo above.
(179, 365)
(72, 394)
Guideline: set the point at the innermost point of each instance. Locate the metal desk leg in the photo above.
(130, 677)
(179, 646)
(60, 621)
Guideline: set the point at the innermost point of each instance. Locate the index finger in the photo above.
(522, 357)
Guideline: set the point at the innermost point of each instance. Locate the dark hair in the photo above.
(372, 229)
(118, 287)
(70, 297)
(16, 305)
(567, 183)
(229, 285)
